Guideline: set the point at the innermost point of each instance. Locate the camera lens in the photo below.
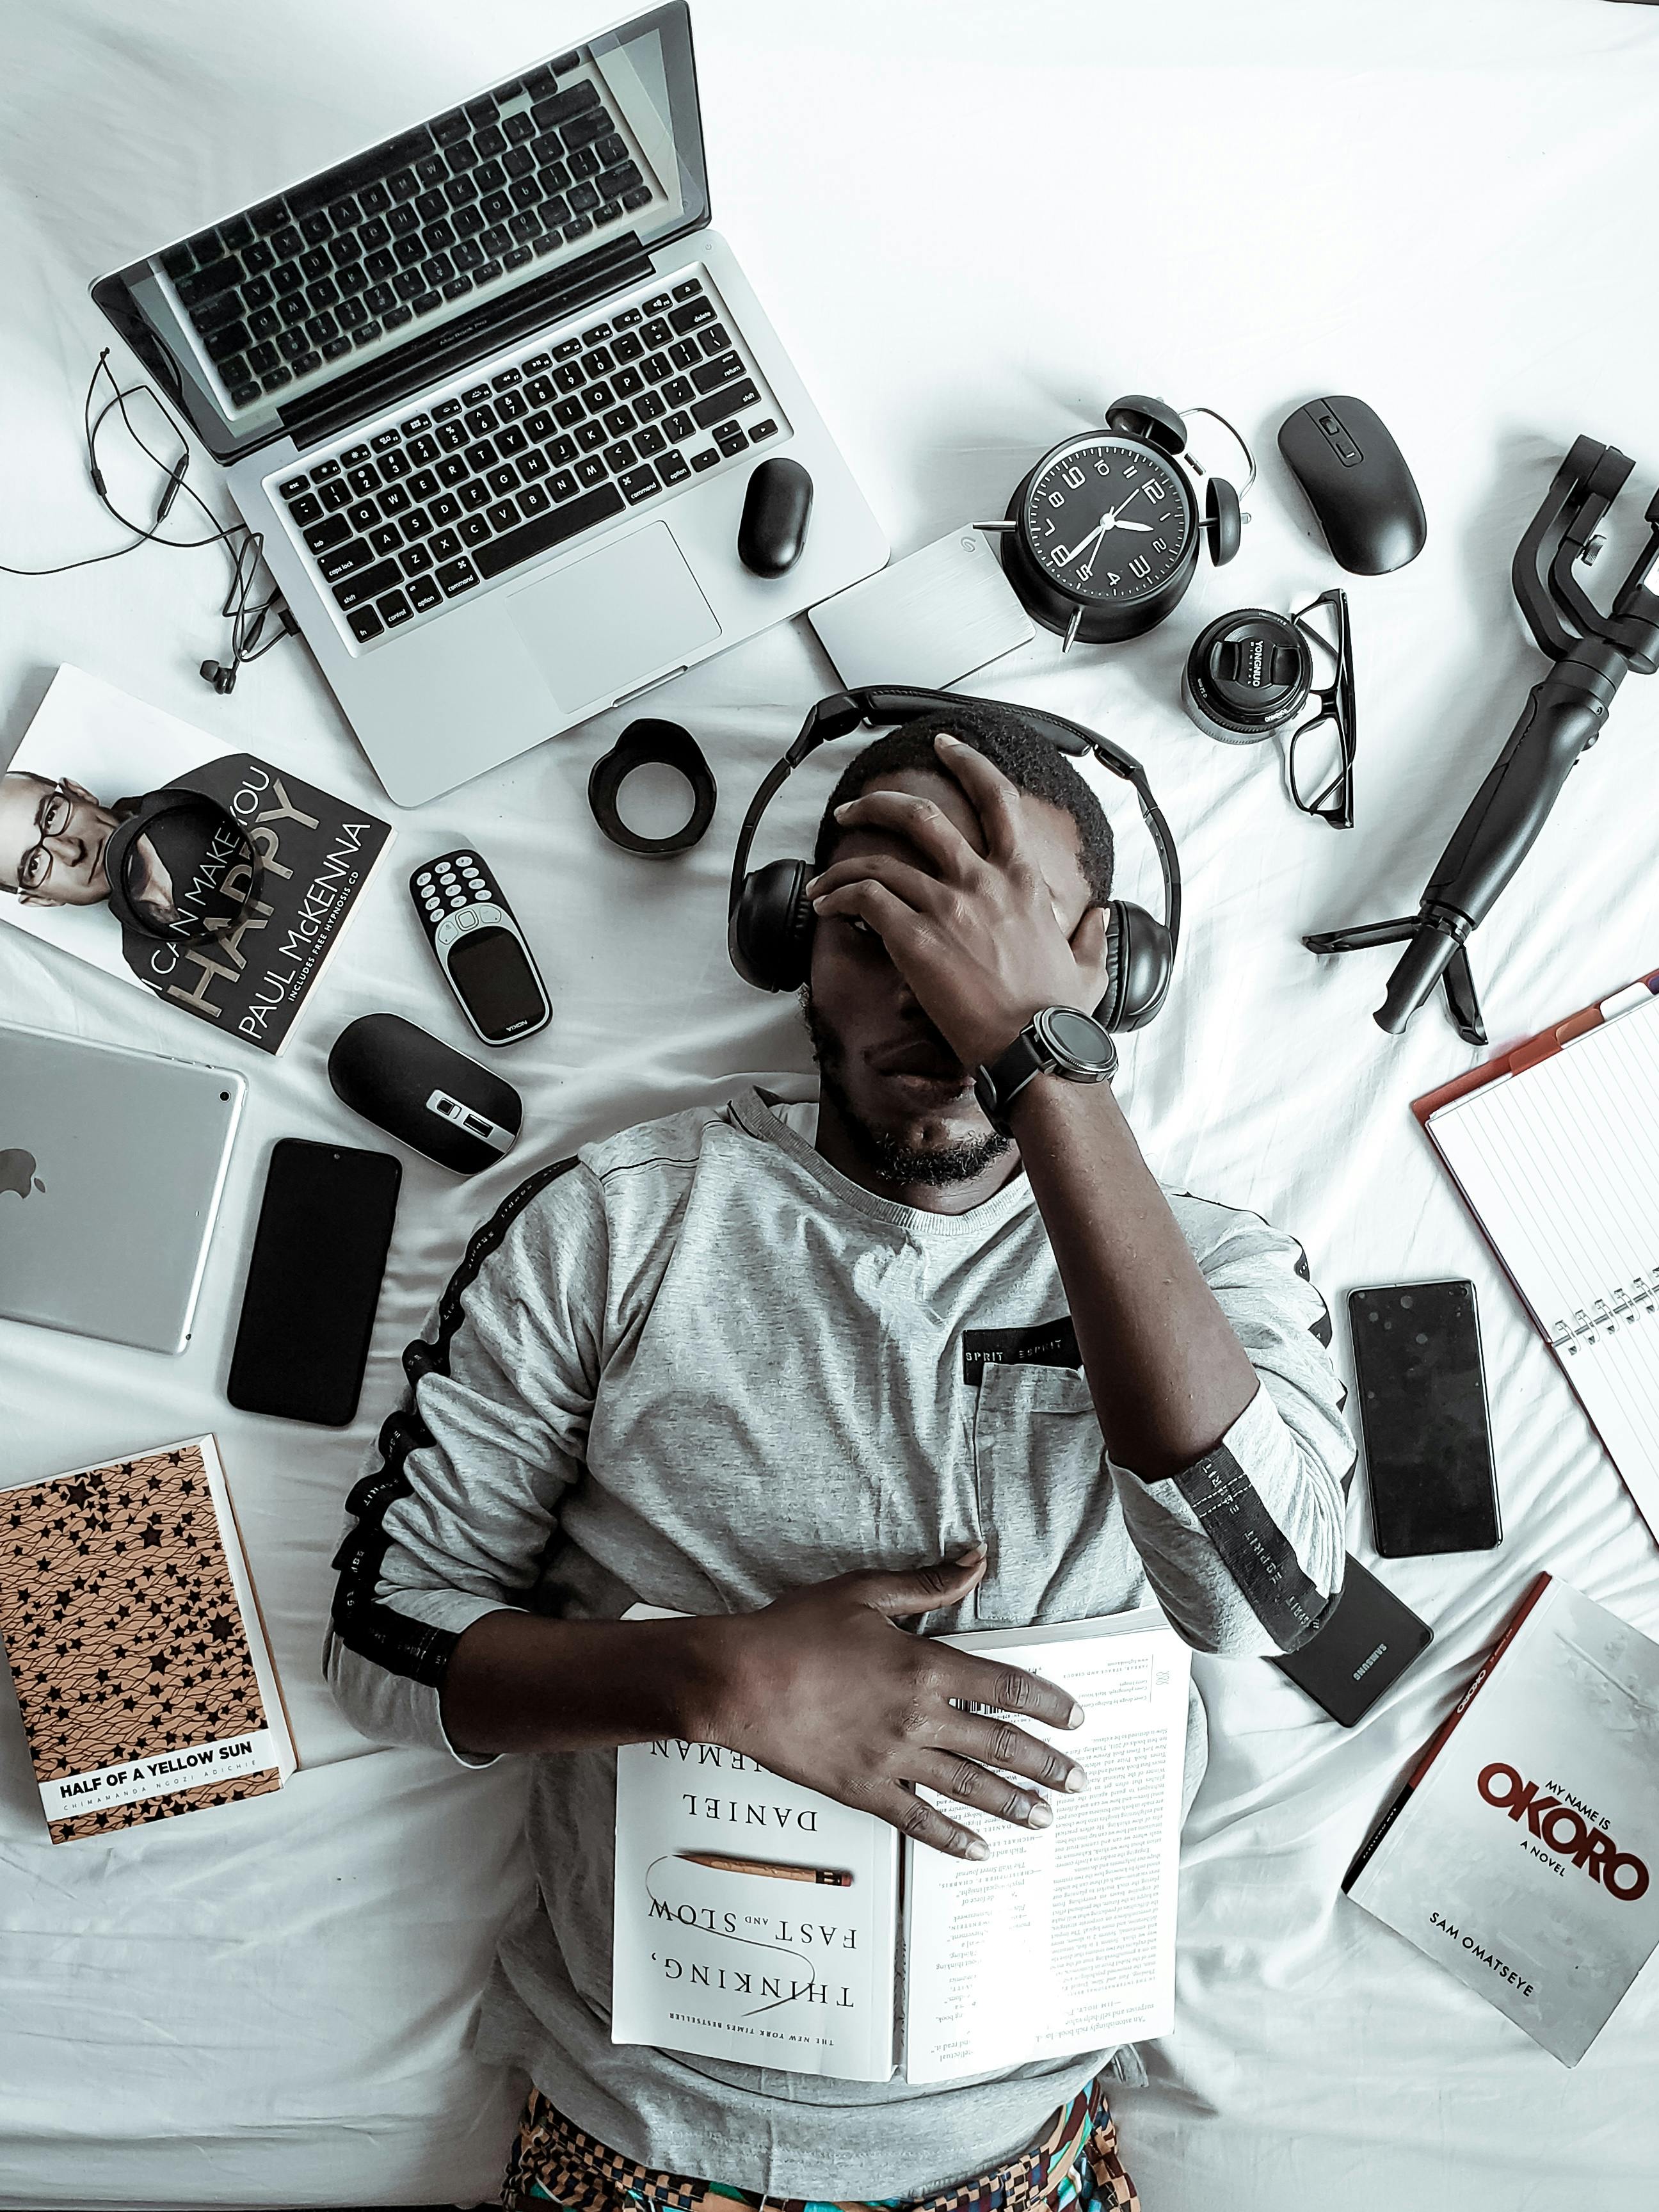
(1247, 676)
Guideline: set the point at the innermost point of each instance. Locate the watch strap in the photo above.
(999, 1082)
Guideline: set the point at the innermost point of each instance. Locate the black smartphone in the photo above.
(1423, 1415)
(1369, 1641)
(313, 1282)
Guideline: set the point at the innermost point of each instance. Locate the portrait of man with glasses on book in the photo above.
(52, 837)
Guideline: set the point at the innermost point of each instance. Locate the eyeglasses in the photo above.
(1320, 762)
(52, 817)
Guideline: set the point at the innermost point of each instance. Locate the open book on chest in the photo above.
(758, 1921)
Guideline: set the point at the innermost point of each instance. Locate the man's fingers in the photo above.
(949, 1775)
(995, 798)
(920, 1589)
(997, 1743)
(975, 1682)
(873, 904)
(920, 822)
(914, 1817)
(1088, 947)
(922, 893)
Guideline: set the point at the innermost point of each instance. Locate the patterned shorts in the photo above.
(1074, 2164)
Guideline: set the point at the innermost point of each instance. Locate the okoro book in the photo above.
(1520, 1853)
(87, 759)
(757, 1920)
(135, 1643)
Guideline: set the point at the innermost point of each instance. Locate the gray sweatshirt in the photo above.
(697, 1367)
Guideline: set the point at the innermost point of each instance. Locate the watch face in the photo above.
(1107, 520)
(1079, 1037)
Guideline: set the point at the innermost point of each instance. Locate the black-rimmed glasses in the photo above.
(1319, 756)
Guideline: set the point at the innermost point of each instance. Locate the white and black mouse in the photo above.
(425, 1093)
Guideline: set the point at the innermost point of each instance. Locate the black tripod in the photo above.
(1593, 654)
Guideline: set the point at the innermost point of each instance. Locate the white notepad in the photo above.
(1561, 1165)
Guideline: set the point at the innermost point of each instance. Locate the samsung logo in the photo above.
(1366, 1665)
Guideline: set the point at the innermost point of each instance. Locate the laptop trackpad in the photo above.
(606, 623)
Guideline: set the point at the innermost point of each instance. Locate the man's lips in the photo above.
(932, 1062)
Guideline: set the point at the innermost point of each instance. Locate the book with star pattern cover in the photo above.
(134, 1639)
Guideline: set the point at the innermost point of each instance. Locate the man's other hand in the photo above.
(821, 1687)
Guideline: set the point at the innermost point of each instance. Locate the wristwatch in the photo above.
(1058, 1041)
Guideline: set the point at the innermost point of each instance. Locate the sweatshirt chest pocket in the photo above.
(1041, 1487)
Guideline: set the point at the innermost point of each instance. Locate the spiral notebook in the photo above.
(1555, 1146)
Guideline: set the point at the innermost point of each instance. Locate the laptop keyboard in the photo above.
(404, 232)
(498, 472)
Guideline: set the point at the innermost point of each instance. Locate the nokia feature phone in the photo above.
(479, 947)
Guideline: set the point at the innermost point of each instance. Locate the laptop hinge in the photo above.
(426, 361)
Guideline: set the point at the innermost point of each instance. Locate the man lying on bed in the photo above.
(718, 1363)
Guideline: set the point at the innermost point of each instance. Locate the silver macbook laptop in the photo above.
(492, 391)
(111, 1166)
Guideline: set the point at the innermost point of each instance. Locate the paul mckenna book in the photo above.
(1522, 1852)
(756, 1920)
(134, 1640)
(87, 759)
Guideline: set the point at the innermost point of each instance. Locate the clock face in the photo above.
(1107, 520)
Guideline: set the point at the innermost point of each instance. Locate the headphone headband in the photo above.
(213, 835)
(895, 704)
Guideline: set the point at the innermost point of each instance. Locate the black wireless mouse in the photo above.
(1357, 483)
(423, 1092)
(776, 507)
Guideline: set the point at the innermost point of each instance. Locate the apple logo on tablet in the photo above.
(17, 1173)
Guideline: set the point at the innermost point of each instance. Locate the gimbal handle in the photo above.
(1495, 836)
(1563, 713)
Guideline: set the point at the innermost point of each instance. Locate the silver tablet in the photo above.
(111, 1167)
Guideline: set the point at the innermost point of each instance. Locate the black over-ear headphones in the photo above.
(770, 921)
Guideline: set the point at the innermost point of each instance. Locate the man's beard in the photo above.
(903, 1165)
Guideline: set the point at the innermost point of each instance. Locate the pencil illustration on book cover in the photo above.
(231, 921)
(744, 1917)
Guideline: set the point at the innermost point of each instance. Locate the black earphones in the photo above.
(247, 616)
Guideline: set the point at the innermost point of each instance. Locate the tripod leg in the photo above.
(1463, 1001)
(1364, 933)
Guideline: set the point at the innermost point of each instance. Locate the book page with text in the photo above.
(1062, 1939)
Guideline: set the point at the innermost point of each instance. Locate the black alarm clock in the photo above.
(1103, 537)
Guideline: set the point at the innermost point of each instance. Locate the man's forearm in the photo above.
(1169, 1376)
(519, 1682)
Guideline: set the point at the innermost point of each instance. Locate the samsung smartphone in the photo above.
(1366, 1645)
(1423, 1415)
(313, 1282)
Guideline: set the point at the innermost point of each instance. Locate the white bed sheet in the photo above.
(973, 225)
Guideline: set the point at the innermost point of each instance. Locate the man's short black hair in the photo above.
(1030, 762)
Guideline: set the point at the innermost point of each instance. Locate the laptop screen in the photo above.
(410, 258)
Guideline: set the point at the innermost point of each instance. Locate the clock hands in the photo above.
(1112, 520)
(1064, 559)
(1108, 521)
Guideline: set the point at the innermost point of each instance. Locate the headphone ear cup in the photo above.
(1139, 961)
(769, 936)
(1224, 524)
